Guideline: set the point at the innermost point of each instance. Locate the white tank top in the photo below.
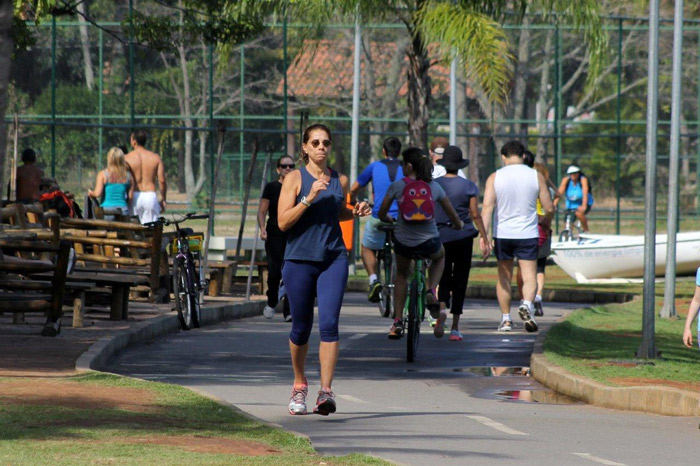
(517, 191)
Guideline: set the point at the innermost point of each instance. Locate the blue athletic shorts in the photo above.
(373, 238)
(525, 249)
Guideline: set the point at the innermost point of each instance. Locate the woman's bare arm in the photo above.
(288, 211)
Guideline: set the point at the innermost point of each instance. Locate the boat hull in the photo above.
(611, 256)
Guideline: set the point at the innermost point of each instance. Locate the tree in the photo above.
(468, 30)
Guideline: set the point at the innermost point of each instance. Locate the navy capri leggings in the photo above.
(306, 280)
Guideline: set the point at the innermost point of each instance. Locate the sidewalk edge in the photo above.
(104, 348)
(666, 401)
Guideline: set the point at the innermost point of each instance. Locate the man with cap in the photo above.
(511, 194)
(464, 197)
(437, 149)
(576, 189)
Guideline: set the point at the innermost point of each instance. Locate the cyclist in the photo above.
(275, 239)
(311, 205)
(381, 174)
(464, 196)
(576, 190)
(416, 231)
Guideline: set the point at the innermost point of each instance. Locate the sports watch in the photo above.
(304, 201)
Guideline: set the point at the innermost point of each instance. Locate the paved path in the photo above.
(446, 408)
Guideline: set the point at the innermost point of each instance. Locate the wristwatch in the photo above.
(304, 201)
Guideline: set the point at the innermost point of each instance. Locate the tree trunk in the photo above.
(521, 77)
(181, 162)
(418, 91)
(85, 43)
(6, 47)
(543, 103)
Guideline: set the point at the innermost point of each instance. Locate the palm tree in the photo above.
(467, 30)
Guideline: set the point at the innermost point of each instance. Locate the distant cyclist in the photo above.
(416, 231)
(381, 174)
(576, 190)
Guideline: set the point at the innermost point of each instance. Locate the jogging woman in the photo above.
(311, 205)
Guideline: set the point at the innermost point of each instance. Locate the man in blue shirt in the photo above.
(381, 173)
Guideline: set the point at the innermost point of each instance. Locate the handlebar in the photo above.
(166, 222)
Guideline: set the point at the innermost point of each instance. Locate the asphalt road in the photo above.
(460, 402)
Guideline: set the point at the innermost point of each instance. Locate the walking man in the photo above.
(511, 195)
(381, 173)
(147, 169)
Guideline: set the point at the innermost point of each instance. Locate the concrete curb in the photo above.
(103, 349)
(561, 296)
(667, 401)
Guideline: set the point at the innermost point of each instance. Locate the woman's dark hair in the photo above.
(279, 161)
(307, 134)
(421, 164)
(529, 158)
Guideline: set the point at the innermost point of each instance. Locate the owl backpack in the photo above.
(416, 202)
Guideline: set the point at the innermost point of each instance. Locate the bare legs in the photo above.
(369, 259)
(298, 361)
(327, 353)
(584, 221)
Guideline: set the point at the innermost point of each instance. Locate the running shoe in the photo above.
(396, 330)
(288, 318)
(506, 326)
(325, 403)
(375, 292)
(524, 313)
(455, 335)
(297, 403)
(439, 329)
(269, 312)
(538, 309)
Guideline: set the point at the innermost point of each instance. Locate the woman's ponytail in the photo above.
(422, 166)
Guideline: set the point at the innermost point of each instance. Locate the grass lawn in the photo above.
(600, 343)
(103, 418)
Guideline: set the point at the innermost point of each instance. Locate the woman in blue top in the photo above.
(114, 183)
(576, 190)
(311, 205)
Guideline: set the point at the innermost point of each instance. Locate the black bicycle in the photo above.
(188, 277)
(386, 271)
(572, 227)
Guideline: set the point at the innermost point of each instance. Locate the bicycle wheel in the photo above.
(184, 301)
(565, 235)
(388, 271)
(413, 330)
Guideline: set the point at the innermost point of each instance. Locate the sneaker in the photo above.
(288, 318)
(455, 335)
(325, 403)
(269, 312)
(439, 329)
(396, 330)
(297, 403)
(375, 292)
(432, 320)
(506, 326)
(524, 313)
(538, 309)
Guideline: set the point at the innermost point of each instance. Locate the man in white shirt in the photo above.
(511, 195)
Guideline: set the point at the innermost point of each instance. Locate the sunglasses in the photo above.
(326, 143)
(284, 165)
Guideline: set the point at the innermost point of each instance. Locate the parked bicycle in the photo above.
(188, 276)
(386, 271)
(572, 227)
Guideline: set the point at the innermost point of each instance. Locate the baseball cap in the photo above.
(438, 145)
(573, 169)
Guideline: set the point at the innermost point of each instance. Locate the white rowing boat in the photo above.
(622, 256)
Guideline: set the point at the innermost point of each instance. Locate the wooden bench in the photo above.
(31, 218)
(118, 246)
(261, 267)
(19, 260)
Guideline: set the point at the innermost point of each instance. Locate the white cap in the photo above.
(439, 150)
(572, 169)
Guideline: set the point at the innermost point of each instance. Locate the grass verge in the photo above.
(103, 418)
(600, 343)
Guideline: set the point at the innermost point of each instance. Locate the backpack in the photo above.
(416, 202)
(64, 205)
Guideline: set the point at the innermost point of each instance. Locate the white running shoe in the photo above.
(505, 326)
(526, 315)
(297, 403)
(269, 312)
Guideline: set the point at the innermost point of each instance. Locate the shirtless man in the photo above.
(146, 167)
(28, 178)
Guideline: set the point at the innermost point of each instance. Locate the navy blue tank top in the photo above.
(316, 236)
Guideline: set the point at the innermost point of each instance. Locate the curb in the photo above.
(666, 401)
(561, 296)
(104, 348)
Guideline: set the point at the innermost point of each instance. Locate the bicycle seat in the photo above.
(187, 231)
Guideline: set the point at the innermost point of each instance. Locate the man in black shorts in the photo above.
(511, 193)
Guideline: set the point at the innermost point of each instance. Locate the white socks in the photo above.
(372, 278)
(505, 317)
(528, 304)
(538, 299)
